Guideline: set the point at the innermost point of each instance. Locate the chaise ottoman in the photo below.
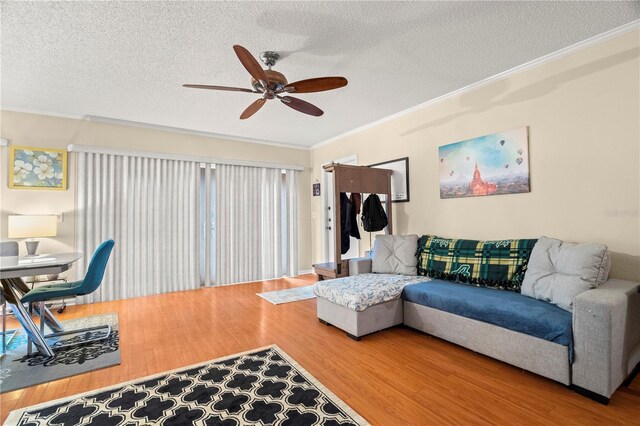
(362, 304)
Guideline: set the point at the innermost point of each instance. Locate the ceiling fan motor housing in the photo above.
(276, 81)
(276, 84)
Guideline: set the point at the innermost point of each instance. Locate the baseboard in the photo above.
(305, 272)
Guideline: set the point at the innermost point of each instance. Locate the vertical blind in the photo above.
(150, 208)
(180, 223)
(255, 223)
(290, 218)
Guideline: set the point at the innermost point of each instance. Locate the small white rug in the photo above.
(289, 295)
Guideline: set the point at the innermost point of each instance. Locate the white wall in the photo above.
(55, 132)
(583, 113)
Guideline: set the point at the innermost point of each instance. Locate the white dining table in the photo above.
(14, 288)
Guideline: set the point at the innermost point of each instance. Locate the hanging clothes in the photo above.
(345, 223)
(374, 218)
(355, 200)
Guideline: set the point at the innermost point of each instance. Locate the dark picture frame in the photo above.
(399, 178)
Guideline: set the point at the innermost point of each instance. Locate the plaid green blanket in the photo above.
(495, 264)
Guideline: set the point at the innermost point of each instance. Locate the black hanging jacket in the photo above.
(354, 210)
(345, 223)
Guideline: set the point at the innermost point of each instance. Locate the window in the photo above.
(207, 222)
(261, 200)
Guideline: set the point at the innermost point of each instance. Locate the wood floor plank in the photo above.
(397, 376)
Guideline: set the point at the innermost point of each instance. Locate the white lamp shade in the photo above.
(31, 226)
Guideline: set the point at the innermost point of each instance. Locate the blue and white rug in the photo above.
(289, 295)
(10, 334)
(19, 370)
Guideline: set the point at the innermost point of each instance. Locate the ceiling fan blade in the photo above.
(250, 64)
(316, 85)
(302, 106)
(252, 109)
(227, 88)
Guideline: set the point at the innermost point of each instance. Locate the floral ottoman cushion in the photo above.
(362, 291)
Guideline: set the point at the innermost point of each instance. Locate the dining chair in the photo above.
(4, 324)
(8, 257)
(90, 283)
(9, 253)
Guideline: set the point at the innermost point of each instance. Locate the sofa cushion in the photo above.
(501, 308)
(497, 264)
(559, 271)
(395, 254)
(360, 292)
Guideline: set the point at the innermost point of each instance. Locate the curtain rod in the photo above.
(179, 157)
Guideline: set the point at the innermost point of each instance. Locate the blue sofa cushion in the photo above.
(501, 308)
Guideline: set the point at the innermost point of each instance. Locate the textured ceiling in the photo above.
(127, 60)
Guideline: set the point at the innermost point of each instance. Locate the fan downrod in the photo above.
(269, 58)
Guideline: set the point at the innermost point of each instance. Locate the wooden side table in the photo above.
(327, 271)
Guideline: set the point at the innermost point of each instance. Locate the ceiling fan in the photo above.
(272, 84)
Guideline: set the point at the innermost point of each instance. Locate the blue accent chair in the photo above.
(90, 283)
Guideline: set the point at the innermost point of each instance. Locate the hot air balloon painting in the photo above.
(499, 165)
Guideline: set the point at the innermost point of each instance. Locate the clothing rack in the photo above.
(360, 179)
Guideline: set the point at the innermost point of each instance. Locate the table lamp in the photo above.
(32, 226)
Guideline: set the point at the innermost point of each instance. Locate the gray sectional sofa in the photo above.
(593, 349)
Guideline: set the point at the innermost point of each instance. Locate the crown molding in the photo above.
(39, 112)
(600, 38)
(616, 32)
(160, 127)
(127, 123)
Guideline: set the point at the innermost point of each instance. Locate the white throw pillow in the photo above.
(559, 271)
(395, 254)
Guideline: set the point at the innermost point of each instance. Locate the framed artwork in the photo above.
(399, 178)
(487, 165)
(37, 168)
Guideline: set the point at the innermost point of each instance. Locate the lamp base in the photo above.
(32, 247)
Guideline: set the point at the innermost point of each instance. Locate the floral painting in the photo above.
(487, 165)
(38, 168)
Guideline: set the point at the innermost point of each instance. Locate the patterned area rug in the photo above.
(260, 387)
(19, 370)
(289, 295)
(8, 336)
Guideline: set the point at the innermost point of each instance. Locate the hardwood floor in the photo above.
(396, 377)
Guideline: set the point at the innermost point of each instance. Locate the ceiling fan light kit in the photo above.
(271, 84)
